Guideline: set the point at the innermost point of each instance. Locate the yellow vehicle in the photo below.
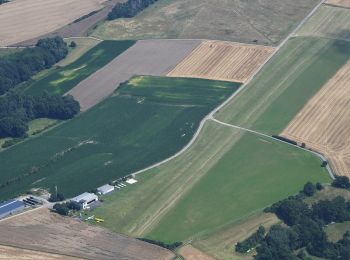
(99, 220)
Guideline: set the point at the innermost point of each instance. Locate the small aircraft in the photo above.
(99, 220)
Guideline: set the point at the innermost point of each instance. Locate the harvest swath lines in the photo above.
(324, 123)
(222, 61)
(342, 3)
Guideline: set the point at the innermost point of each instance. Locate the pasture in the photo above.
(323, 124)
(147, 120)
(34, 18)
(60, 80)
(328, 22)
(262, 22)
(222, 61)
(223, 177)
(273, 97)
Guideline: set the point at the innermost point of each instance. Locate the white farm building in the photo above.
(85, 199)
(105, 189)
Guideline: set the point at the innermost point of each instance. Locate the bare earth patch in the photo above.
(220, 60)
(41, 230)
(324, 123)
(191, 253)
(343, 3)
(147, 57)
(26, 19)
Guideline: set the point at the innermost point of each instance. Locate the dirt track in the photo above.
(25, 19)
(222, 61)
(324, 123)
(148, 57)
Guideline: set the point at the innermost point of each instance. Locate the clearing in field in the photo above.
(262, 22)
(328, 22)
(41, 230)
(25, 19)
(62, 79)
(219, 60)
(223, 177)
(324, 123)
(149, 57)
(342, 3)
(279, 91)
(146, 121)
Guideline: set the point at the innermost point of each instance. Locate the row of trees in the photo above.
(128, 9)
(304, 230)
(20, 66)
(65, 208)
(17, 109)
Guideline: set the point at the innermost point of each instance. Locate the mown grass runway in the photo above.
(147, 120)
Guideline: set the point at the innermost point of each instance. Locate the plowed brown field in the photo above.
(324, 123)
(25, 19)
(344, 3)
(220, 60)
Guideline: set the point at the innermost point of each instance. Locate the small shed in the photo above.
(85, 199)
(10, 207)
(105, 189)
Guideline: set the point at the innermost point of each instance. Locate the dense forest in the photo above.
(17, 109)
(20, 66)
(304, 230)
(129, 8)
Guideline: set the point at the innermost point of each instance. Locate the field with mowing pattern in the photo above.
(222, 61)
(296, 73)
(61, 80)
(147, 120)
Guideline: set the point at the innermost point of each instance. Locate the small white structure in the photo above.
(85, 199)
(105, 189)
(131, 181)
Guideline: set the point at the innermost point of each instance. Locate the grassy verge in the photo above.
(61, 80)
(147, 120)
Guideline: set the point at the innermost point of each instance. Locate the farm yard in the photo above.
(61, 80)
(222, 61)
(149, 57)
(272, 98)
(323, 124)
(262, 22)
(147, 120)
(198, 191)
(38, 17)
(328, 22)
(43, 231)
(343, 3)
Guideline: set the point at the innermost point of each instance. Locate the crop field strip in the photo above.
(222, 61)
(262, 22)
(147, 57)
(341, 3)
(329, 22)
(146, 121)
(324, 123)
(25, 19)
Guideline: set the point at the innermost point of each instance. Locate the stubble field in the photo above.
(323, 124)
(222, 61)
(26, 19)
(343, 3)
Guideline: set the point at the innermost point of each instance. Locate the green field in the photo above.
(287, 82)
(61, 80)
(147, 120)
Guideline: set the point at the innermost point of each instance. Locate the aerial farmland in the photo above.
(217, 126)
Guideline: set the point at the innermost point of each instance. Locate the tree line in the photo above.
(17, 109)
(304, 230)
(20, 66)
(128, 9)
(3, 1)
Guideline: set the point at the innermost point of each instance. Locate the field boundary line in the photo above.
(240, 89)
(84, 37)
(322, 157)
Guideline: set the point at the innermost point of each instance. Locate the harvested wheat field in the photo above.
(38, 17)
(324, 123)
(343, 3)
(41, 230)
(221, 60)
(191, 253)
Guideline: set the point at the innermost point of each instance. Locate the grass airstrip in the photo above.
(148, 119)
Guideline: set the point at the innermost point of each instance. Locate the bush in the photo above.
(172, 246)
(251, 242)
(61, 209)
(341, 182)
(319, 186)
(128, 9)
(55, 198)
(72, 44)
(309, 189)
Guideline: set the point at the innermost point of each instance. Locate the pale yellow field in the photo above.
(344, 3)
(26, 19)
(324, 123)
(220, 60)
